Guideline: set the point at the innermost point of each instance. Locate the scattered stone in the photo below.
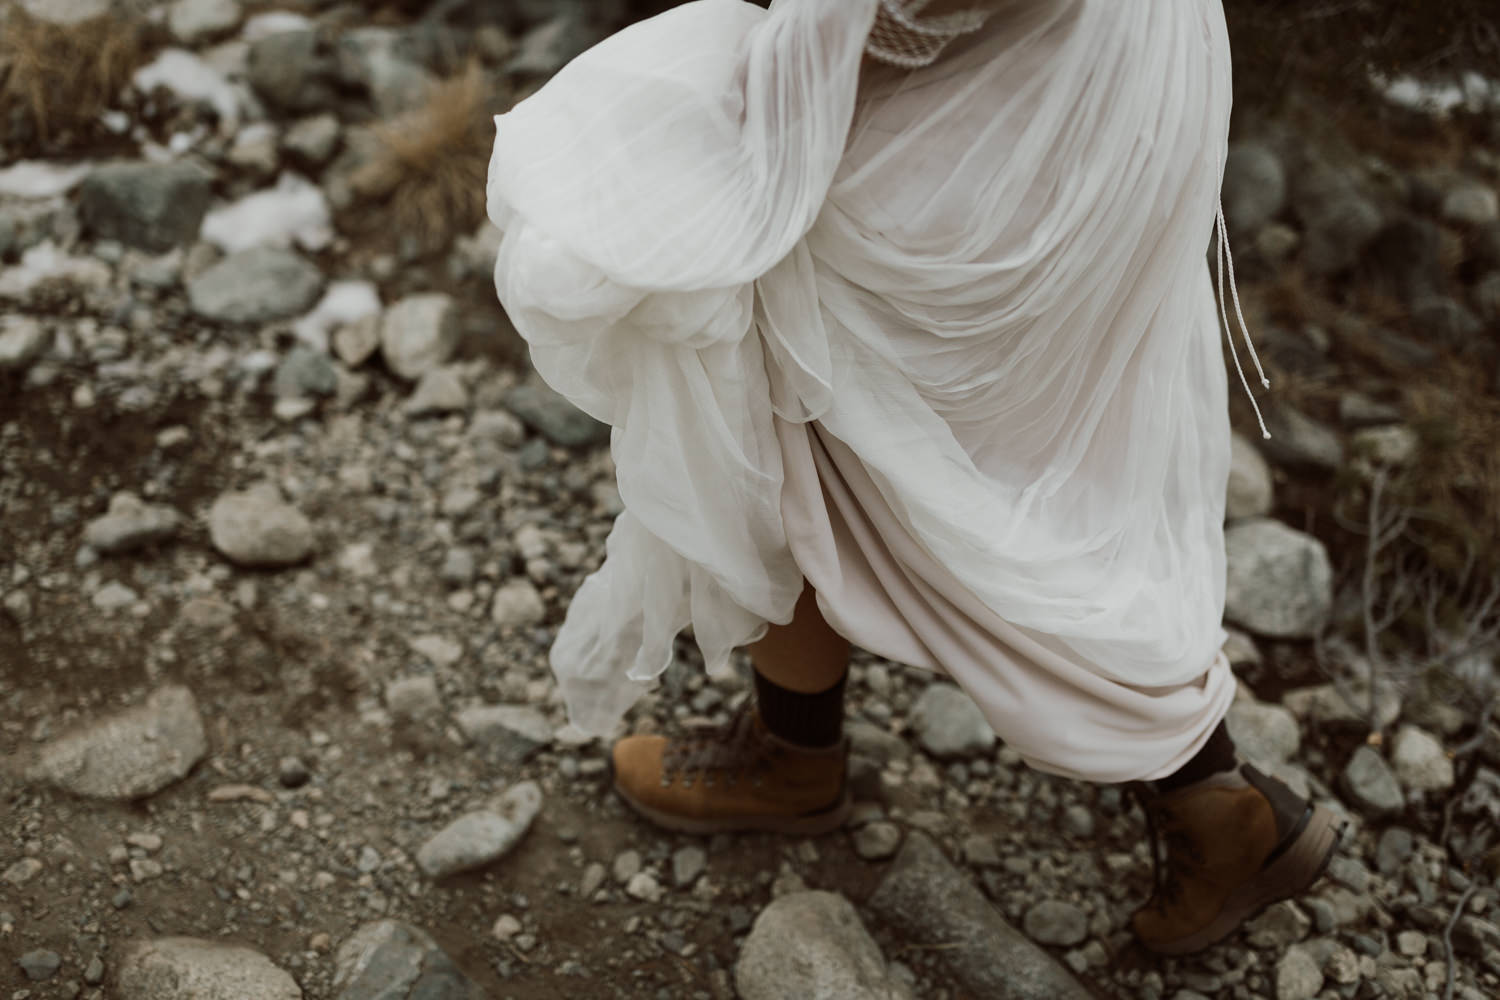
(130, 524)
(114, 596)
(257, 528)
(1357, 411)
(150, 206)
(517, 604)
(1370, 783)
(130, 754)
(509, 734)
(313, 140)
(811, 945)
(506, 927)
(1300, 442)
(1324, 704)
(1471, 204)
(1254, 187)
(644, 887)
(1250, 491)
(592, 881)
(947, 723)
(480, 838)
(183, 968)
(305, 372)
(877, 841)
(1393, 850)
(688, 863)
(292, 772)
(21, 872)
(439, 391)
(1278, 928)
(419, 334)
(627, 865)
(23, 339)
(1266, 735)
(498, 426)
(1446, 321)
(1412, 944)
(258, 285)
(1078, 821)
(413, 699)
(1338, 220)
(556, 419)
(926, 898)
(355, 343)
(438, 650)
(1056, 923)
(196, 21)
(1298, 975)
(294, 70)
(40, 965)
(395, 961)
(1420, 762)
(1395, 446)
(1280, 582)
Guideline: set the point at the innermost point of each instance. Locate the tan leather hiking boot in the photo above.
(1235, 842)
(738, 778)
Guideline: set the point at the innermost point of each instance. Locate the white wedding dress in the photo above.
(942, 342)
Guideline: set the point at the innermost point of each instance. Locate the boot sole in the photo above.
(810, 825)
(1300, 865)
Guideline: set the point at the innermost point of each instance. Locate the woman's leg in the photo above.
(806, 656)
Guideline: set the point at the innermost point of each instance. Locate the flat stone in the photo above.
(130, 524)
(196, 21)
(1471, 204)
(1055, 922)
(150, 206)
(556, 419)
(1395, 445)
(437, 649)
(1298, 975)
(1251, 493)
(1420, 763)
(1278, 928)
(1371, 785)
(877, 841)
(925, 898)
(131, 754)
(811, 945)
(184, 968)
(438, 391)
(1299, 442)
(509, 734)
(418, 334)
(21, 872)
(948, 724)
(517, 604)
(313, 139)
(389, 960)
(23, 339)
(1280, 581)
(482, 837)
(688, 863)
(40, 964)
(257, 528)
(413, 698)
(258, 285)
(1325, 703)
(305, 372)
(1266, 735)
(296, 71)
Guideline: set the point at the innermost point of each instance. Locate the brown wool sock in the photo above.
(1216, 756)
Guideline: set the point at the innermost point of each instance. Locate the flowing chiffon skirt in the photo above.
(942, 342)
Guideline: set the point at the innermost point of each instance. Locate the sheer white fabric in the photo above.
(985, 279)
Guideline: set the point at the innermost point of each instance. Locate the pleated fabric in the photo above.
(942, 342)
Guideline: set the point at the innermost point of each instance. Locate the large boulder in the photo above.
(131, 754)
(811, 945)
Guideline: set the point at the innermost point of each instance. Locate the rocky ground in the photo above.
(288, 527)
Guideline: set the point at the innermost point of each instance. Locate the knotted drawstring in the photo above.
(732, 750)
(1224, 254)
(1167, 864)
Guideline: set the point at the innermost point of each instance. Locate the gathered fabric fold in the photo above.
(986, 279)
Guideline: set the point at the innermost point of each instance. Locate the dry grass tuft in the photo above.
(1458, 419)
(430, 163)
(61, 77)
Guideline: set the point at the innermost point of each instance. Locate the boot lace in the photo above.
(736, 750)
(1175, 855)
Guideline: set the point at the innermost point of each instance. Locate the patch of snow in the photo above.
(274, 22)
(191, 79)
(295, 211)
(40, 179)
(1474, 93)
(44, 262)
(66, 12)
(342, 304)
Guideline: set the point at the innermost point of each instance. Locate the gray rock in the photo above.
(1419, 761)
(1338, 220)
(459, 567)
(40, 965)
(1298, 975)
(1254, 187)
(23, 339)
(498, 426)
(1280, 582)
(1357, 411)
(388, 960)
(517, 604)
(1278, 928)
(197, 21)
(413, 699)
(510, 734)
(418, 334)
(258, 285)
(1394, 848)
(1371, 785)
(305, 372)
(131, 754)
(877, 841)
(313, 140)
(811, 945)
(355, 343)
(130, 524)
(1250, 491)
(151, 206)
(926, 898)
(438, 391)
(947, 723)
(114, 596)
(388, 65)
(183, 968)
(876, 743)
(1395, 446)
(1299, 442)
(1276, 241)
(688, 863)
(1446, 321)
(1056, 923)
(556, 419)
(257, 528)
(1266, 735)
(1325, 703)
(548, 47)
(294, 70)
(1471, 204)
(480, 838)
